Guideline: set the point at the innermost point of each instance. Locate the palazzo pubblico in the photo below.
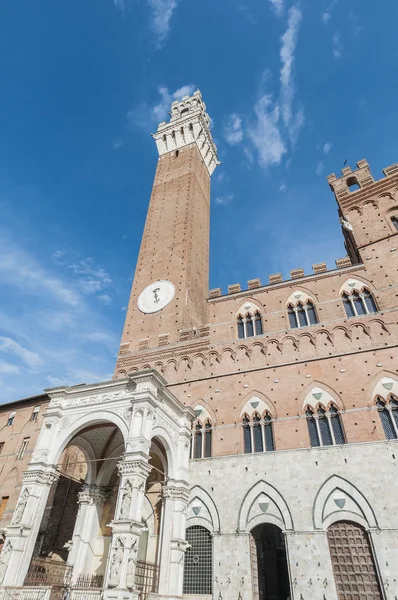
(246, 448)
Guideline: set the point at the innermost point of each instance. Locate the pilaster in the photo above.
(22, 533)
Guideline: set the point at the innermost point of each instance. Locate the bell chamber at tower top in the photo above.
(189, 124)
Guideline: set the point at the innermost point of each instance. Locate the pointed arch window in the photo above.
(302, 314)
(258, 435)
(358, 303)
(201, 440)
(325, 427)
(249, 325)
(388, 412)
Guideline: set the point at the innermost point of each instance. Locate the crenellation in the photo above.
(234, 288)
(253, 283)
(319, 268)
(297, 273)
(341, 263)
(275, 278)
(215, 293)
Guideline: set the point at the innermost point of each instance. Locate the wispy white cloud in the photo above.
(47, 330)
(277, 6)
(319, 168)
(120, 4)
(282, 187)
(224, 200)
(233, 131)
(326, 14)
(287, 55)
(265, 133)
(117, 144)
(161, 14)
(327, 147)
(337, 49)
(92, 279)
(29, 358)
(105, 298)
(147, 116)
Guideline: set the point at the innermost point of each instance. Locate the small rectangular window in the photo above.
(35, 413)
(22, 451)
(3, 505)
(11, 418)
(1, 447)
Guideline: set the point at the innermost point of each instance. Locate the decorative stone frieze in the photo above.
(92, 495)
(40, 477)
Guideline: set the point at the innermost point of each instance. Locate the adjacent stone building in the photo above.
(246, 448)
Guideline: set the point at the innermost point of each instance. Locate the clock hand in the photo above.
(155, 293)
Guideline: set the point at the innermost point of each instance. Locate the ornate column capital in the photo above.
(134, 468)
(92, 495)
(175, 493)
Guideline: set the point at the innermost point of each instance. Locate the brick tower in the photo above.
(170, 287)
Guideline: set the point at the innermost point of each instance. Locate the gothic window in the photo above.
(249, 325)
(394, 221)
(325, 427)
(202, 440)
(198, 563)
(302, 314)
(358, 303)
(258, 434)
(389, 417)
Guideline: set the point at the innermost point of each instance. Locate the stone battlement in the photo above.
(318, 268)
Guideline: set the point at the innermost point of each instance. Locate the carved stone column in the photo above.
(126, 528)
(175, 500)
(22, 533)
(91, 501)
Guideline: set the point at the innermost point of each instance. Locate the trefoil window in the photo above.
(249, 325)
(302, 314)
(359, 303)
(324, 427)
(258, 434)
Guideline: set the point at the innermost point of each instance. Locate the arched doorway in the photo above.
(73, 534)
(353, 563)
(269, 563)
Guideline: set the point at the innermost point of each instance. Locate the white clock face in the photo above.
(156, 296)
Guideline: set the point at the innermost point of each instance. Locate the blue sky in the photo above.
(293, 88)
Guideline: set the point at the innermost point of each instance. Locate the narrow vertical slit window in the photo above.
(11, 418)
(198, 441)
(269, 436)
(241, 327)
(292, 317)
(249, 326)
(324, 428)
(312, 429)
(386, 420)
(336, 425)
(311, 314)
(394, 221)
(207, 434)
(247, 436)
(257, 434)
(258, 324)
